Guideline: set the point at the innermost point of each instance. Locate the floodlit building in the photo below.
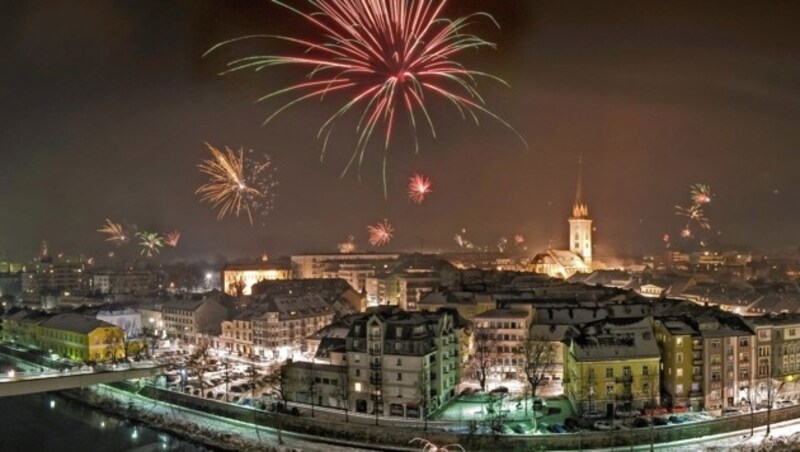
(81, 338)
(612, 365)
(284, 322)
(578, 258)
(239, 279)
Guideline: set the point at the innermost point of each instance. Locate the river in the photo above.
(46, 422)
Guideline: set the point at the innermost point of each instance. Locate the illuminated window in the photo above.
(358, 387)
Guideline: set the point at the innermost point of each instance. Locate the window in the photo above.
(716, 375)
(609, 372)
(356, 358)
(357, 387)
(715, 343)
(399, 361)
(591, 374)
(679, 372)
(679, 357)
(399, 377)
(626, 371)
(716, 359)
(679, 389)
(679, 342)
(609, 389)
(645, 371)
(358, 372)
(744, 342)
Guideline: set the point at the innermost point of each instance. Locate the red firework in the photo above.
(389, 58)
(418, 187)
(172, 238)
(380, 234)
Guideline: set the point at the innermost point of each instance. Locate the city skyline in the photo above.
(650, 98)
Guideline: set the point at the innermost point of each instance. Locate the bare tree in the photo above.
(768, 390)
(424, 395)
(310, 382)
(199, 362)
(343, 393)
(537, 357)
(116, 342)
(484, 351)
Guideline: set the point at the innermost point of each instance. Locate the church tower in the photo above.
(580, 225)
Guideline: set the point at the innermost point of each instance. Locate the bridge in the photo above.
(34, 378)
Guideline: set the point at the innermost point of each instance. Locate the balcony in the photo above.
(375, 366)
(624, 379)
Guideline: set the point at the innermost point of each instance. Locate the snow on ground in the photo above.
(203, 427)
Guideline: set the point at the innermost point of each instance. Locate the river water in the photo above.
(46, 422)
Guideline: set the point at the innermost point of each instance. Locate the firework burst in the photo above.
(380, 234)
(348, 246)
(238, 184)
(115, 231)
(694, 213)
(419, 186)
(462, 241)
(150, 242)
(701, 194)
(172, 238)
(386, 58)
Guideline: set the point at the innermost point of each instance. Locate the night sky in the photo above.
(106, 106)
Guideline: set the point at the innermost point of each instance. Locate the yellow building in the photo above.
(81, 338)
(238, 279)
(612, 365)
(682, 351)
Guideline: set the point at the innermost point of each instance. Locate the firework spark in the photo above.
(348, 246)
(519, 239)
(462, 241)
(502, 244)
(238, 184)
(701, 194)
(419, 186)
(115, 231)
(387, 58)
(172, 238)
(686, 233)
(694, 213)
(150, 242)
(380, 234)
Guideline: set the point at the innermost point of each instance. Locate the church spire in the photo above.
(580, 209)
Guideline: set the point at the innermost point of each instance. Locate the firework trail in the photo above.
(380, 234)
(150, 242)
(701, 194)
(386, 58)
(419, 186)
(115, 231)
(237, 184)
(172, 238)
(348, 246)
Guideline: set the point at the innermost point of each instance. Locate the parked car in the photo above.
(521, 429)
(571, 424)
(784, 403)
(641, 422)
(658, 421)
(605, 425)
(593, 415)
(762, 405)
(731, 412)
(677, 419)
(627, 412)
(556, 428)
(499, 390)
(538, 404)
